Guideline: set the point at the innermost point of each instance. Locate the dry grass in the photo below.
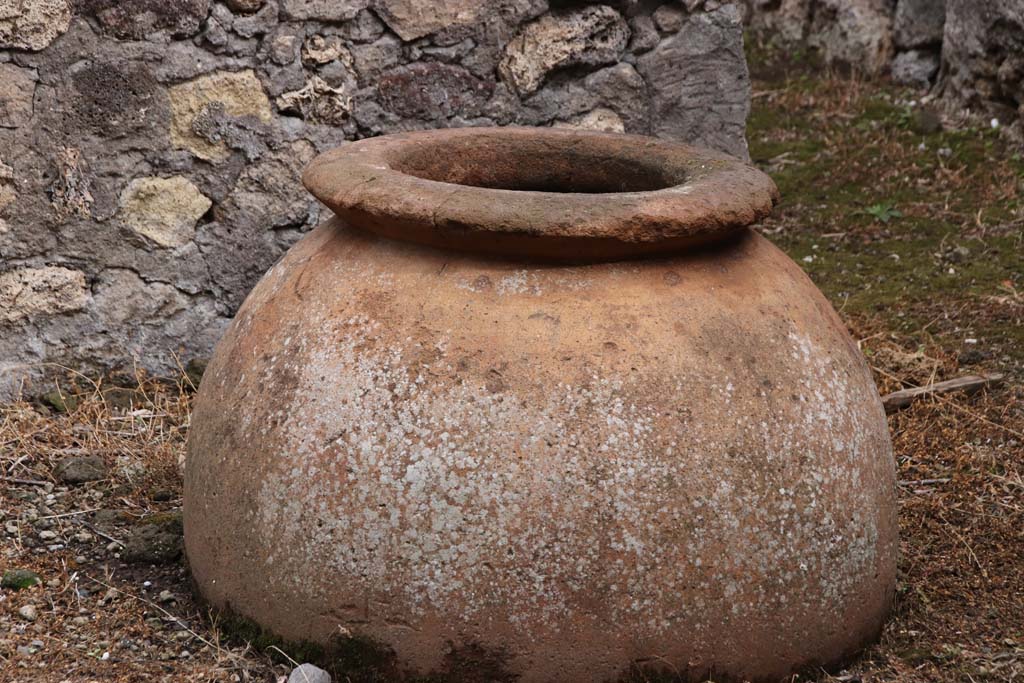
(959, 612)
(101, 618)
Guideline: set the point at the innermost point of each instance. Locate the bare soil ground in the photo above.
(915, 233)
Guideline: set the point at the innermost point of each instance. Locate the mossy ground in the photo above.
(894, 218)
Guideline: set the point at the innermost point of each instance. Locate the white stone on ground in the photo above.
(307, 673)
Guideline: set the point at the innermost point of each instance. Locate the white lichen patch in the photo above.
(525, 282)
(657, 502)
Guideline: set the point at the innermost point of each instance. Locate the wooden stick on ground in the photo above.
(24, 482)
(969, 384)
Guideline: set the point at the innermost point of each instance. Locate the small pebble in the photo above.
(959, 254)
(80, 469)
(28, 612)
(307, 673)
(17, 579)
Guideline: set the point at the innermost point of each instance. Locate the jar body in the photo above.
(571, 471)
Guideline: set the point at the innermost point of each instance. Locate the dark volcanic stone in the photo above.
(115, 100)
(138, 18)
(155, 540)
(430, 90)
(919, 23)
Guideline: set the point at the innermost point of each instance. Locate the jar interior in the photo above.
(536, 166)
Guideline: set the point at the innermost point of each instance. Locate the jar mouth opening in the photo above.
(537, 164)
(546, 192)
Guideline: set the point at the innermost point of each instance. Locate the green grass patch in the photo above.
(891, 215)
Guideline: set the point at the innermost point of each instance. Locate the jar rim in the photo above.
(561, 193)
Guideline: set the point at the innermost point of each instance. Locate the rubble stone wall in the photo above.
(971, 52)
(150, 150)
(983, 56)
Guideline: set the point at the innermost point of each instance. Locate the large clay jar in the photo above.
(539, 401)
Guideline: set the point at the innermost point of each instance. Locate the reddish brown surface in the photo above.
(550, 193)
(678, 462)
